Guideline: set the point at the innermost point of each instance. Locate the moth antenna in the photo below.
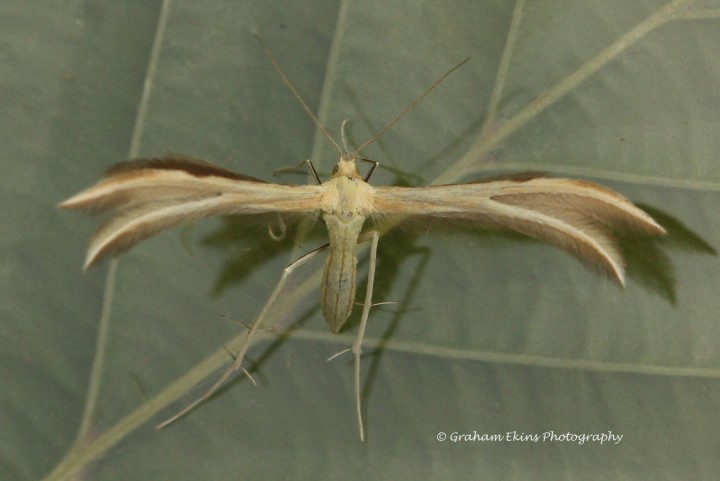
(297, 95)
(410, 107)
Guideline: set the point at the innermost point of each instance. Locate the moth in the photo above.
(147, 196)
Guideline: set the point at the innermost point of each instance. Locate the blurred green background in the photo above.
(489, 334)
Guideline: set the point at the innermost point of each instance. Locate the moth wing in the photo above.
(577, 216)
(147, 196)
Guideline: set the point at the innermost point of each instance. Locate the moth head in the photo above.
(346, 167)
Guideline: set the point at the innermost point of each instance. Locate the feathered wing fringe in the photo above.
(577, 216)
(148, 196)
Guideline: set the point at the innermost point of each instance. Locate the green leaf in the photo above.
(488, 334)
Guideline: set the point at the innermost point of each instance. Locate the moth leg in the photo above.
(281, 226)
(293, 168)
(313, 171)
(254, 328)
(357, 345)
(374, 163)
